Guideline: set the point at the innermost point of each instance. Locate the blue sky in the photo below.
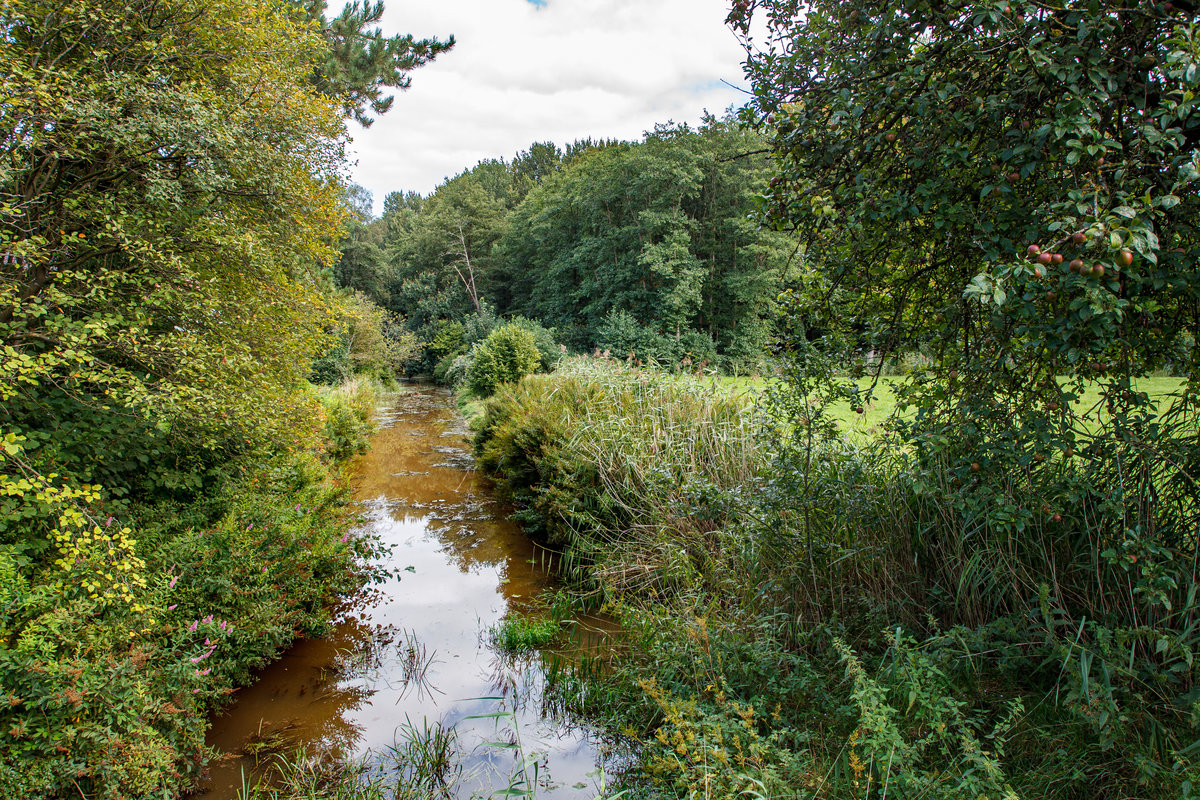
(543, 70)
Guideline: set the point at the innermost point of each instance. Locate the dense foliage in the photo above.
(644, 249)
(508, 354)
(788, 639)
(995, 595)
(1032, 236)
(169, 187)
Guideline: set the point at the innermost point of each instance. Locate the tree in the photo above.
(654, 232)
(361, 265)
(360, 61)
(440, 246)
(169, 183)
(1009, 190)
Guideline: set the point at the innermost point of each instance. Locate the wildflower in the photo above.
(203, 671)
(195, 624)
(171, 585)
(108, 524)
(251, 525)
(198, 659)
(172, 607)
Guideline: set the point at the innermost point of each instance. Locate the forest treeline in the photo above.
(646, 248)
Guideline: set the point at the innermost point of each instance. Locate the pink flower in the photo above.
(251, 525)
(173, 606)
(195, 624)
(198, 659)
(174, 580)
(108, 524)
(203, 671)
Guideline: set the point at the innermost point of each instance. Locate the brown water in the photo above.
(414, 650)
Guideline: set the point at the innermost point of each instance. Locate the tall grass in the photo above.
(812, 620)
(606, 463)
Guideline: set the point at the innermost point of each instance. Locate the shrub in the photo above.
(544, 339)
(598, 453)
(347, 429)
(108, 699)
(623, 337)
(457, 371)
(505, 356)
(446, 345)
(371, 342)
(754, 558)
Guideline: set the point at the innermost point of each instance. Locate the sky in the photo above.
(550, 70)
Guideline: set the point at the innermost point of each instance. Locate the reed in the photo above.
(609, 463)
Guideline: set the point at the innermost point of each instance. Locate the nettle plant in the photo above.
(1008, 188)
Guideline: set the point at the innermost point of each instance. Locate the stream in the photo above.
(413, 654)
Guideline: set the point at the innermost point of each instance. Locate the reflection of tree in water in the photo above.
(323, 724)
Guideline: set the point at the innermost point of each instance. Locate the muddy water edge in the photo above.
(412, 655)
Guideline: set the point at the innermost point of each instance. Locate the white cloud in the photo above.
(565, 71)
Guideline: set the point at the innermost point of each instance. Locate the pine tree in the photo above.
(362, 61)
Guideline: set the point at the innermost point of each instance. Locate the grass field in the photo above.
(884, 402)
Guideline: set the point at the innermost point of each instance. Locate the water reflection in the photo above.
(413, 651)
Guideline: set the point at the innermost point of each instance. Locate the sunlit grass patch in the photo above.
(518, 635)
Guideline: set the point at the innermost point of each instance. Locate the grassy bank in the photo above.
(116, 648)
(808, 622)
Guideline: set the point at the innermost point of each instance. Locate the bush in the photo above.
(508, 354)
(108, 698)
(597, 448)
(754, 572)
(456, 372)
(544, 339)
(623, 337)
(371, 342)
(447, 344)
(347, 408)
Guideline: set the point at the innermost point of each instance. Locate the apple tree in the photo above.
(1007, 191)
